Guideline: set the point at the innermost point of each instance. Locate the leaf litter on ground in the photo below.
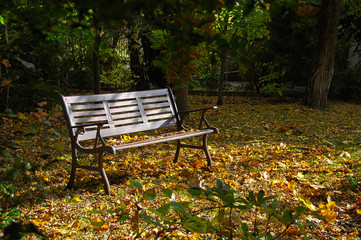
(303, 156)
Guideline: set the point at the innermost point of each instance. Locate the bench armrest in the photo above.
(197, 110)
(203, 118)
(80, 128)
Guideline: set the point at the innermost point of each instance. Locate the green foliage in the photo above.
(218, 210)
(291, 40)
(6, 217)
(118, 75)
(272, 82)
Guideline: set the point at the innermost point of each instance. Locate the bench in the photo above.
(97, 117)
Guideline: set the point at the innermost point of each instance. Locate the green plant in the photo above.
(220, 211)
(6, 217)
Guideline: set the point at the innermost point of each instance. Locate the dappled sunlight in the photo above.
(309, 160)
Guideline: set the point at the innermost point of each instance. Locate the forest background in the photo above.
(268, 48)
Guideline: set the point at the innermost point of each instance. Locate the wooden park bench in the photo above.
(96, 117)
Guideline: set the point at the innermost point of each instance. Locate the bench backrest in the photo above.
(125, 112)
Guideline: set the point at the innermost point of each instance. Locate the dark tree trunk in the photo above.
(319, 81)
(221, 81)
(155, 74)
(137, 63)
(181, 97)
(96, 50)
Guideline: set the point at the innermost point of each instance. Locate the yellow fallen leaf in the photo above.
(103, 207)
(76, 199)
(308, 204)
(104, 226)
(358, 211)
(75, 224)
(22, 116)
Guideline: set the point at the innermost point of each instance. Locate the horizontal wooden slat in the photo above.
(128, 129)
(89, 113)
(159, 116)
(157, 111)
(156, 105)
(125, 115)
(128, 121)
(124, 109)
(115, 96)
(90, 119)
(87, 106)
(122, 103)
(154, 99)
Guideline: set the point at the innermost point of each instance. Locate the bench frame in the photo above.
(95, 117)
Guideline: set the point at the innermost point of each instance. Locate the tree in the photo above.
(236, 30)
(137, 57)
(96, 52)
(323, 67)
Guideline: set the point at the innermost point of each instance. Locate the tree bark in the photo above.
(320, 78)
(221, 81)
(181, 97)
(137, 63)
(96, 51)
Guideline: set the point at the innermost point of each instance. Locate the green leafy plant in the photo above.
(6, 217)
(220, 211)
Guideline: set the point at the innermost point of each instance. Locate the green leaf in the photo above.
(219, 217)
(97, 211)
(275, 204)
(300, 210)
(150, 196)
(2, 20)
(178, 207)
(228, 199)
(252, 197)
(168, 193)
(219, 184)
(150, 220)
(112, 211)
(243, 207)
(287, 217)
(260, 196)
(97, 224)
(196, 226)
(162, 211)
(135, 184)
(245, 229)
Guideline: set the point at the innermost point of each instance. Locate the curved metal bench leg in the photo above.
(73, 168)
(205, 148)
(103, 174)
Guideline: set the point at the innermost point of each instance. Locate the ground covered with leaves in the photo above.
(280, 170)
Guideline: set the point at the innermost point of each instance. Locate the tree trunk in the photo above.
(320, 79)
(181, 97)
(221, 81)
(96, 65)
(137, 64)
